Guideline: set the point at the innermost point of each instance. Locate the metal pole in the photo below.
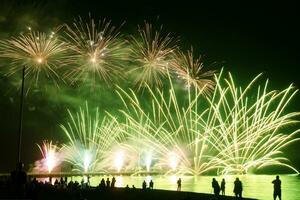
(21, 117)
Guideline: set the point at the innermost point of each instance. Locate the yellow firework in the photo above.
(38, 52)
(151, 52)
(97, 50)
(191, 71)
(235, 130)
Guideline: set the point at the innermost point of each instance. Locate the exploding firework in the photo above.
(191, 71)
(51, 157)
(97, 51)
(151, 53)
(38, 52)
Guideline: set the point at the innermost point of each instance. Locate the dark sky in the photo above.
(245, 39)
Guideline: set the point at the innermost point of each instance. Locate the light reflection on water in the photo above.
(255, 186)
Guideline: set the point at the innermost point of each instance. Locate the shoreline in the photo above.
(46, 193)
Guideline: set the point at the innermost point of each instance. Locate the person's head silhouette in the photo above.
(20, 166)
(277, 177)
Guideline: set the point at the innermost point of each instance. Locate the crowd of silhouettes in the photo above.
(19, 186)
(151, 185)
(237, 189)
(107, 184)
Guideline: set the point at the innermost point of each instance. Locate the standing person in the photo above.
(88, 183)
(107, 183)
(151, 184)
(215, 185)
(19, 180)
(102, 184)
(144, 185)
(223, 183)
(179, 184)
(238, 188)
(277, 188)
(113, 182)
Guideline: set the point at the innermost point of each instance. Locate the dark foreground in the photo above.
(51, 192)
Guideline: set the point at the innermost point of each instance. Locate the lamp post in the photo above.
(21, 117)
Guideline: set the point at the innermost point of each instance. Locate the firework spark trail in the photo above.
(151, 52)
(245, 128)
(91, 140)
(38, 52)
(97, 50)
(50, 156)
(191, 70)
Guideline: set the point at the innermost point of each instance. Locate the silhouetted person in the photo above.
(107, 183)
(82, 182)
(56, 183)
(133, 187)
(144, 185)
(215, 185)
(19, 179)
(88, 181)
(223, 183)
(277, 188)
(179, 184)
(102, 184)
(238, 188)
(113, 182)
(151, 184)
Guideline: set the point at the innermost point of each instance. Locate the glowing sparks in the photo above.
(50, 154)
(148, 161)
(119, 160)
(87, 159)
(151, 53)
(97, 51)
(173, 160)
(36, 51)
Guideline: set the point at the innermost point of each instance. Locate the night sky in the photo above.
(244, 39)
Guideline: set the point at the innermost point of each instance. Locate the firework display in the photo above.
(238, 132)
(187, 119)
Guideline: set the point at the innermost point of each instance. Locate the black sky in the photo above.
(245, 39)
